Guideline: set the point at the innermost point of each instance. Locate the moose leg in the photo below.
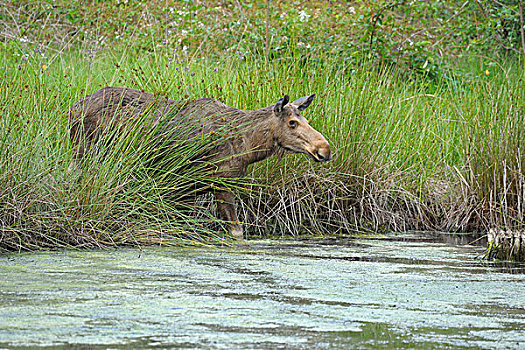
(227, 212)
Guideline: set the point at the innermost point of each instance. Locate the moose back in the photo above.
(268, 131)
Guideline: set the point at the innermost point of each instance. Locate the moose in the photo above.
(273, 130)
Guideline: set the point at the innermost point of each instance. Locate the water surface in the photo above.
(347, 293)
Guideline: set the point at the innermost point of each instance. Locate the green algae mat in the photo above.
(336, 294)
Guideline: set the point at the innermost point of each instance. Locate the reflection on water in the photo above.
(403, 292)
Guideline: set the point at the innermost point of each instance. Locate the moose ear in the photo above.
(278, 108)
(303, 102)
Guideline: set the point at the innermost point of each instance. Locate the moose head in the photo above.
(296, 135)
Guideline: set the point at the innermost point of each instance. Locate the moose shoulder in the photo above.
(270, 131)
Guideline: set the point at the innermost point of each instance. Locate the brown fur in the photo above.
(259, 134)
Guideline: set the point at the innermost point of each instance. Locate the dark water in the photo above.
(363, 293)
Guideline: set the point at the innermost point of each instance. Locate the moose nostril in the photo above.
(320, 155)
(323, 156)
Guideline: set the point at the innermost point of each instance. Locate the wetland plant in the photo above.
(409, 153)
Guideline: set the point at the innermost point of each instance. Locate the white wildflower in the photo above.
(303, 16)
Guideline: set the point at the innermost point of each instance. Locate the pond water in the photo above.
(340, 293)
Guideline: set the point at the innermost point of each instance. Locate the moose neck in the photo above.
(260, 138)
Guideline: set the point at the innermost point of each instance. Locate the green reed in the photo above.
(409, 152)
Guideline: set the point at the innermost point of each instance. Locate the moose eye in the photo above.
(292, 124)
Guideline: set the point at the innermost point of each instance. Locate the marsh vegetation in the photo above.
(422, 140)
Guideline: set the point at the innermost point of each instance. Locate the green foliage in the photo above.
(500, 25)
(417, 36)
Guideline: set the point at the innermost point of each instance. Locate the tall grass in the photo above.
(410, 153)
(116, 195)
